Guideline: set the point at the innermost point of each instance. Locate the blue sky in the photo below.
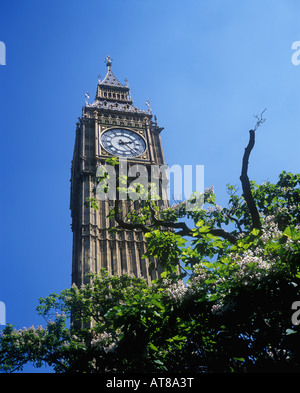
(205, 66)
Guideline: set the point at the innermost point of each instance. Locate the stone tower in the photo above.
(111, 126)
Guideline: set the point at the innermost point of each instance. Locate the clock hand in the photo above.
(125, 143)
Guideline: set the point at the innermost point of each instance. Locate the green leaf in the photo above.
(176, 338)
(157, 304)
(239, 359)
(289, 232)
(255, 231)
(153, 347)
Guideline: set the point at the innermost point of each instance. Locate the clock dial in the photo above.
(123, 143)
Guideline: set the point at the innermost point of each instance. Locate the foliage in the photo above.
(228, 309)
(133, 329)
(231, 313)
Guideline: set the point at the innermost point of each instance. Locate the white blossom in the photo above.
(104, 340)
(270, 229)
(209, 190)
(175, 291)
(220, 308)
(216, 308)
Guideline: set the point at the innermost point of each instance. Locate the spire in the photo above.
(112, 95)
(110, 79)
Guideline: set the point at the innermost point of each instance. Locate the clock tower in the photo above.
(109, 127)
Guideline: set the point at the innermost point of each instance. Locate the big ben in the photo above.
(109, 127)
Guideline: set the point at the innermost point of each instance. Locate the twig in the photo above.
(236, 222)
(260, 120)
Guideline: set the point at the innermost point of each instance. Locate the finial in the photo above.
(148, 105)
(108, 61)
(87, 96)
(126, 82)
(99, 79)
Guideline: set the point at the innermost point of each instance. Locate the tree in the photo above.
(230, 308)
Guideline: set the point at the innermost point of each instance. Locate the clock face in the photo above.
(123, 143)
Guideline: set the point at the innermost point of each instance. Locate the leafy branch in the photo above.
(182, 227)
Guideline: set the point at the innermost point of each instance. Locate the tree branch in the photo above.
(236, 222)
(246, 183)
(184, 229)
(127, 225)
(224, 234)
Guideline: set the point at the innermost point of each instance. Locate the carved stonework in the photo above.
(139, 246)
(101, 245)
(121, 245)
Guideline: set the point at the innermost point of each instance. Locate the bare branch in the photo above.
(246, 183)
